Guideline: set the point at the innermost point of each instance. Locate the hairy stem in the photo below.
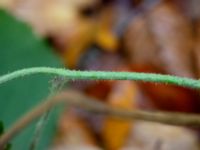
(102, 75)
(73, 98)
(170, 118)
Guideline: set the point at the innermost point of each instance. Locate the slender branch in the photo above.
(40, 125)
(57, 85)
(101, 75)
(79, 100)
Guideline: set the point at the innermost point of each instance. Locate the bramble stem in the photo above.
(103, 75)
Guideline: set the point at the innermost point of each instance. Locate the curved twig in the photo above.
(79, 100)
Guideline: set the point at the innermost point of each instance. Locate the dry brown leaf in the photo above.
(73, 133)
(197, 50)
(48, 15)
(105, 37)
(95, 32)
(76, 44)
(139, 43)
(115, 131)
(173, 34)
(155, 136)
(168, 97)
(189, 8)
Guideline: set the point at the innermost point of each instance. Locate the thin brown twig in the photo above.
(56, 86)
(77, 99)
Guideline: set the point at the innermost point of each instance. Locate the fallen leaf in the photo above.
(155, 136)
(139, 43)
(173, 34)
(74, 133)
(197, 50)
(168, 97)
(115, 131)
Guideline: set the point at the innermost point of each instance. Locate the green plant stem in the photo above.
(102, 75)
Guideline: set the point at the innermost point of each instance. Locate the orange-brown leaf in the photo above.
(115, 131)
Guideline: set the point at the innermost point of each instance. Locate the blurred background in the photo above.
(158, 36)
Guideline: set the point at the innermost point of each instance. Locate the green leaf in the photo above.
(21, 48)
